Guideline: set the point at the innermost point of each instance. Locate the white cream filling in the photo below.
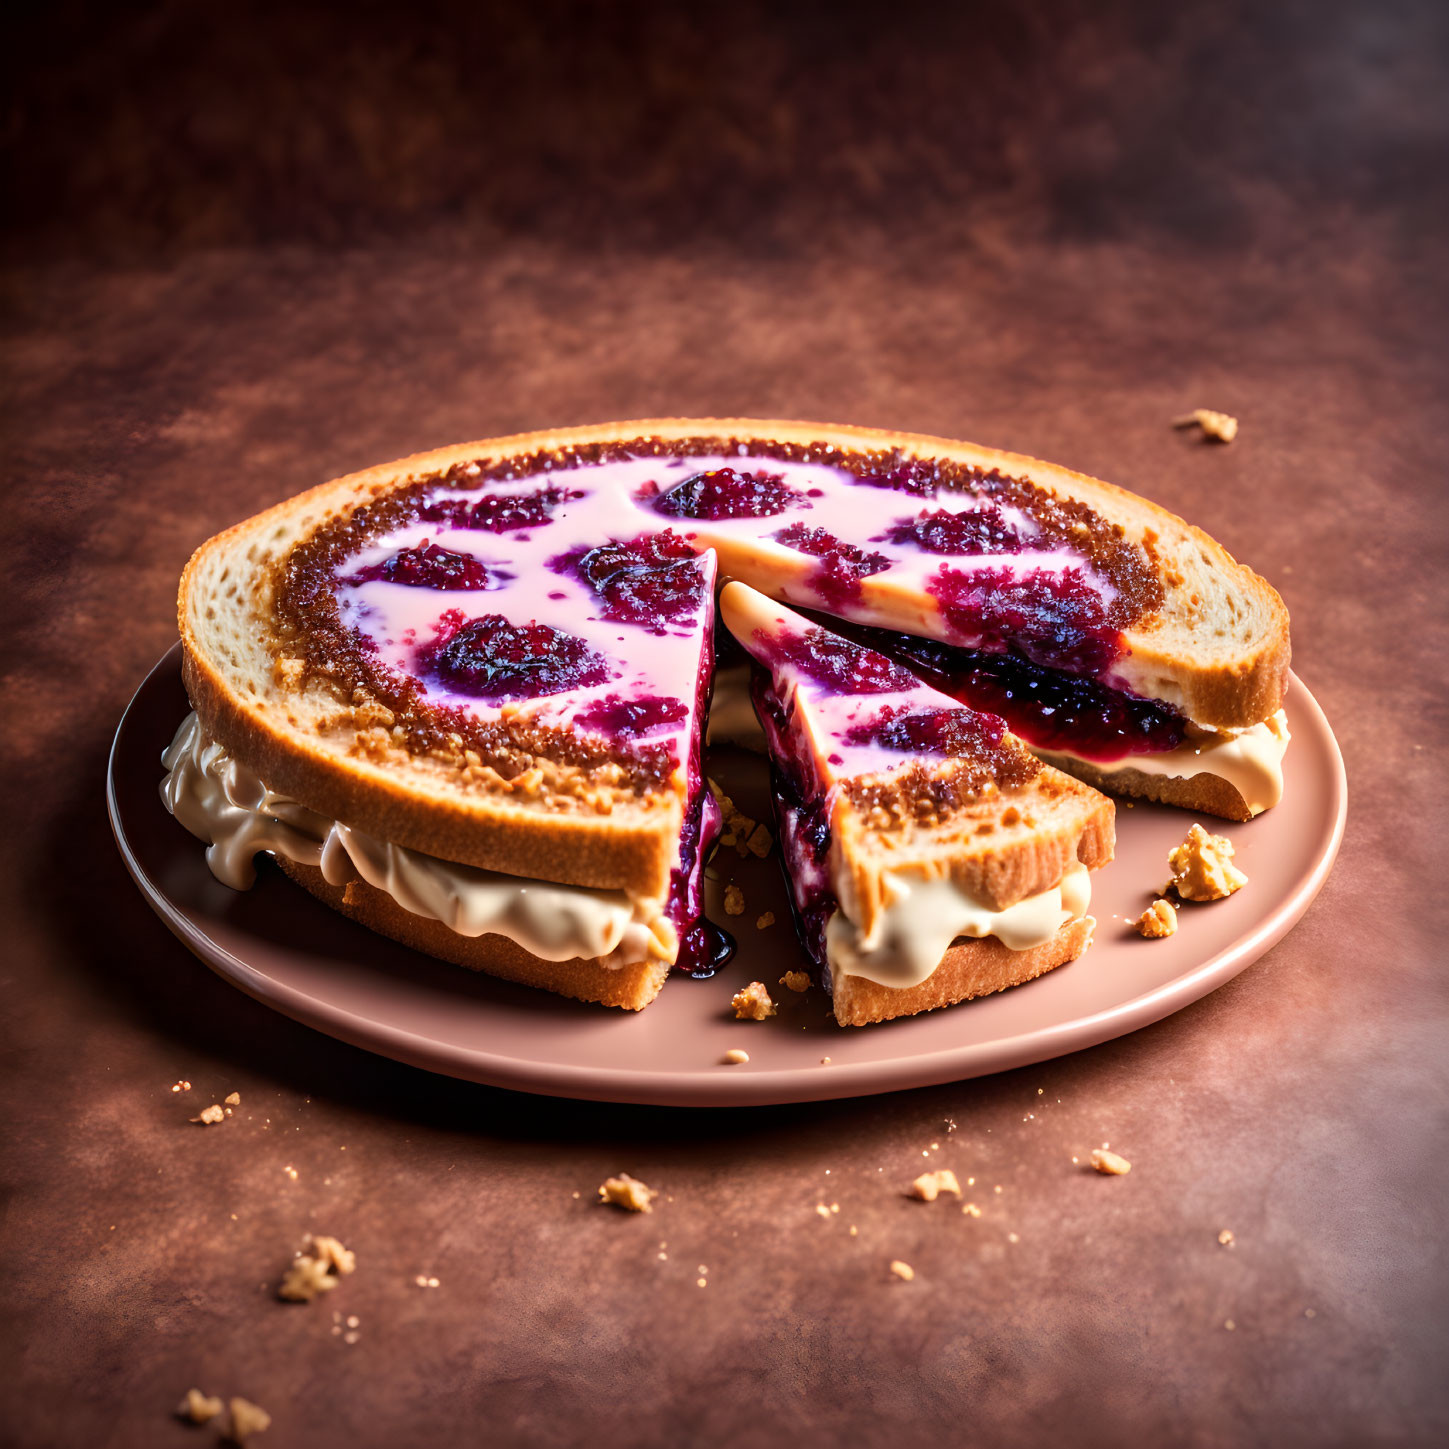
(923, 917)
(1250, 760)
(223, 803)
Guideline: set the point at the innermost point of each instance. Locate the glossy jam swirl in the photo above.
(1045, 707)
(492, 659)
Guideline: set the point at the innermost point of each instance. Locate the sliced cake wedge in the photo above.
(930, 857)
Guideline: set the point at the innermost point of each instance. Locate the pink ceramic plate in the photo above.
(286, 949)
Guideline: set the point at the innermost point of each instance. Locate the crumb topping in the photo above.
(753, 1002)
(1157, 921)
(247, 1419)
(930, 1185)
(1202, 867)
(628, 1193)
(198, 1408)
(1220, 427)
(318, 1268)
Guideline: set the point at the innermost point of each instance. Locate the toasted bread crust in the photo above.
(630, 987)
(1206, 793)
(968, 969)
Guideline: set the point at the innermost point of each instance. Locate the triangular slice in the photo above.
(930, 857)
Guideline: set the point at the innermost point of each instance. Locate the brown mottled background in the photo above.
(250, 246)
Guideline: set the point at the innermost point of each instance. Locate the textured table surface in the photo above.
(173, 365)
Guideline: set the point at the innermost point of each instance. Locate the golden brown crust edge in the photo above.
(630, 987)
(968, 969)
(1203, 792)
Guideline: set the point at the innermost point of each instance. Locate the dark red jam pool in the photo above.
(841, 567)
(493, 659)
(1054, 619)
(725, 493)
(1045, 707)
(498, 513)
(840, 664)
(652, 581)
(426, 566)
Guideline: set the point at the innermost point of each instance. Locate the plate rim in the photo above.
(767, 1087)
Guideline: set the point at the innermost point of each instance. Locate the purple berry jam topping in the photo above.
(625, 718)
(703, 949)
(981, 530)
(842, 566)
(1048, 709)
(838, 664)
(652, 581)
(919, 477)
(499, 513)
(429, 567)
(1055, 619)
(490, 658)
(725, 493)
(961, 733)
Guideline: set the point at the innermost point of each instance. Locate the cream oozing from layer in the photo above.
(221, 801)
(923, 917)
(1250, 760)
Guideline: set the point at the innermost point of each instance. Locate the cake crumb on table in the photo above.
(1110, 1163)
(232, 1099)
(1220, 427)
(735, 1057)
(628, 1193)
(316, 1269)
(198, 1408)
(211, 1115)
(763, 923)
(734, 901)
(743, 834)
(753, 1002)
(1202, 867)
(1157, 921)
(796, 981)
(1226, 1238)
(930, 1185)
(902, 1270)
(181, 1086)
(247, 1419)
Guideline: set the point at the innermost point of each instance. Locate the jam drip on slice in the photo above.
(725, 493)
(983, 530)
(625, 718)
(427, 566)
(842, 566)
(1045, 707)
(490, 658)
(1055, 619)
(499, 513)
(651, 581)
(839, 664)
